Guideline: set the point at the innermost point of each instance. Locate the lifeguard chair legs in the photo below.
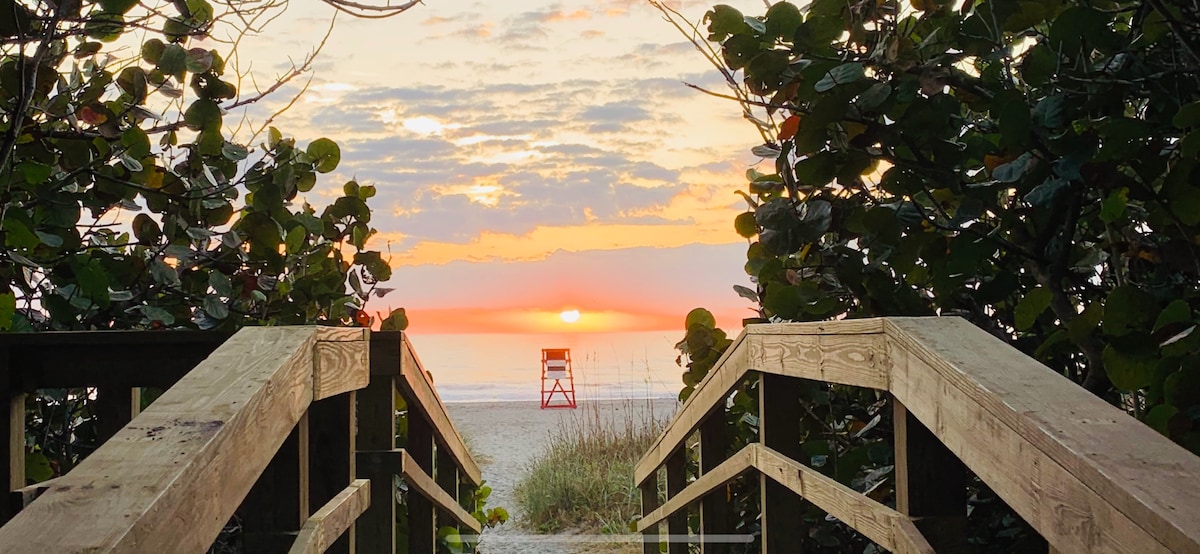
(556, 369)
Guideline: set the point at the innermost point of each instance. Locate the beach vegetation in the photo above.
(584, 481)
(1031, 167)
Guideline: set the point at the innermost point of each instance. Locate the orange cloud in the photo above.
(544, 240)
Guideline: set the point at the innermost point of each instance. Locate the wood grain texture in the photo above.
(857, 360)
(709, 482)
(874, 520)
(424, 484)
(841, 327)
(190, 457)
(970, 420)
(341, 366)
(333, 519)
(422, 396)
(1140, 473)
(715, 386)
(909, 539)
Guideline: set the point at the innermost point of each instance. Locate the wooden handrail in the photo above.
(333, 519)
(1084, 474)
(418, 386)
(193, 454)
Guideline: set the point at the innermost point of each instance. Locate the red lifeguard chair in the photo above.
(556, 368)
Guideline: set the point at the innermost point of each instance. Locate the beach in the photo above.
(507, 437)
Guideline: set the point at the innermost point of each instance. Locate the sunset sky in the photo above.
(531, 157)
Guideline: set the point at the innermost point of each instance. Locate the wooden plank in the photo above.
(421, 396)
(856, 360)
(375, 530)
(708, 482)
(1142, 474)
(277, 504)
(75, 359)
(341, 367)
(677, 523)
(190, 457)
(909, 539)
(931, 483)
(331, 456)
(711, 391)
(841, 327)
(1072, 515)
(333, 519)
(416, 477)
(779, 428)
(716, 514)
(874, 520)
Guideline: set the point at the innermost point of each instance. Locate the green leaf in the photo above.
(1087, 320)
(163, 274)
(215, 307)
(395, 321)
(1012, 171)
(700, 317)
(8, 309)
(1188, 116)
(1182, 388)
(145, 229)
(198, 60)
(783, 19)
(49, 239)
(1159, 418)
(1031, 306)
(1114, 204)
(152, 51)
(173, 61)
(1127, 309)
(234, 152)
(132, 80)
(841, 75)
(325, 154)
(295, 240)
(37, 467)
(154, 313)
(1130, 367)
(723, 21)
(204, 115)
(745, 225)
(220, 284)
(1178, 311)
(874, 97)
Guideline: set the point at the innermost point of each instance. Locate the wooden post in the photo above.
(931, 483)
(422, 528)
(331, 456)
(12, 437)
(779, 429)
(677, 526)
(375, 530)
(716, 515)
(277, 505)
(115, 408)
(650, 502)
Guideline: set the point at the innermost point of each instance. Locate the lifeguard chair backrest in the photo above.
(557, 362)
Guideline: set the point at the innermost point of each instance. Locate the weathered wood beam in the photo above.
(333, 519)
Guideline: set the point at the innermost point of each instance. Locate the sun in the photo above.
(569, 316)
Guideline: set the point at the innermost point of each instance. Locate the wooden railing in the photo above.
(1082, 473)
(290, 428)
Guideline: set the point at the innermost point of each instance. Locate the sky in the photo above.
(530, 157)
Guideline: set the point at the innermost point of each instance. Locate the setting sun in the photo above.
(569, 316)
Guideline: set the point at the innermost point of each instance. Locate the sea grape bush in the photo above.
(1029, 166)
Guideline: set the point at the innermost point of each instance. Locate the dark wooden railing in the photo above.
(1085, 475)
(291, 428)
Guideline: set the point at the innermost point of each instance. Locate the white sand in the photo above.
(506, 437)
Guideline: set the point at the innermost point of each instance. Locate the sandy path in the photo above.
(507, 437)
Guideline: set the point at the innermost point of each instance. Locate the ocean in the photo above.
(507, 367)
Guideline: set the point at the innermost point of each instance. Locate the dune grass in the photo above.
(584, 482)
